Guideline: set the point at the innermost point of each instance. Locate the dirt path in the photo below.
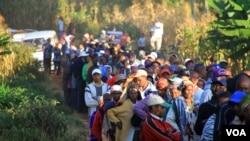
(82, 132)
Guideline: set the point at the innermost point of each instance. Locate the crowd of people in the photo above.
(134, 95)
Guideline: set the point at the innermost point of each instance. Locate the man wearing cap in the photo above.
(97, 126)
(94, 91)
(77, 67)
(217, 74)
(109, 127)
(141, 80)
(188, 63)
(227, 113)
(208, 108)
(154, 127)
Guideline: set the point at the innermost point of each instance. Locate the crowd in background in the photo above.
(133, 95)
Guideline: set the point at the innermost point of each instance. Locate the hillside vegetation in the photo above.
(186, 22)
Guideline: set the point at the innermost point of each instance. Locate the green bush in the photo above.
(30, 107)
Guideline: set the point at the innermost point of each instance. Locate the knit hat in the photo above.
(116, 88)
(155, 100)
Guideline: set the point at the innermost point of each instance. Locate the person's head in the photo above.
(162, 86)
(156, 105)
(188, 63)
(201, 70)
(141, 77)
(83, 55)
(156, 67)
(49, 40)
(245, 109)
(134, 69)
(81, 46)
(103, 60)
(175, 87)
(218, 86)
(120, 79)
(57, 45)
(188, 90)
(213, 59)
(184, 74)
(194, 77)
(165, 73)
(223, 64)
(235, 100)
(223, 97)
(243, 83)
(97, 75)
(133, 93)
(201, 83)
(105, 99)
(220, 73)
(116, 92)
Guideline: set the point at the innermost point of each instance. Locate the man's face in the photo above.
(141, 80)
(97, 77)
(156, 68)
(217, 88)
(158, 110)
(116, 95)
(244, 86)
(174, 93)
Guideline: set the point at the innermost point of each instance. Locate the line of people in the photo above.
(134, 95)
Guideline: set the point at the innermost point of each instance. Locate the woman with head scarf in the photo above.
(182, 114)
(121, 115)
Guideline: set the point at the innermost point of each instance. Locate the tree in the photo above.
(231, 29)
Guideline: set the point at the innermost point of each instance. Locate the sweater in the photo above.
(121, 114)
(156, 129)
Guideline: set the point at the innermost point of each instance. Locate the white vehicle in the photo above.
(17, 35)
(37, 39)
(117, 35)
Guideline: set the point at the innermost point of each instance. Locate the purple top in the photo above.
(141, 108)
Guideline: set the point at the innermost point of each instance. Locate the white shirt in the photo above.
(149, 87)
(157, 30)
(156, 117)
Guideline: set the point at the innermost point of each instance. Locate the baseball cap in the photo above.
(140, 73)
(188, 60)
(184, 72)
(83, 54)
(162, 83)
(221, 81)
(155, 100)
(237, 96)
(219, 72)
(165, 71)
(173, 69)
(175, 80)
(223, 61)
(117, 88)
(151, 56)
(98, 71)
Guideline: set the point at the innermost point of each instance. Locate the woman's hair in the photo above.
(137, 89)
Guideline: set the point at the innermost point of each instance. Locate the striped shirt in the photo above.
(208, 130)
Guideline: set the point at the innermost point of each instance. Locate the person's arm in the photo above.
(96, 129)
(171, 118)
(113, 113)
(200, 122)
(89, 100)
(139, 108)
